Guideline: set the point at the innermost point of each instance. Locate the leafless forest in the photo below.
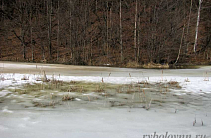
(106, 32)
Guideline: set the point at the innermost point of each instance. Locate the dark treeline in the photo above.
(98, 32)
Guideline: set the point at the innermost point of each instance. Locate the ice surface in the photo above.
(17, 121)
(4, 92)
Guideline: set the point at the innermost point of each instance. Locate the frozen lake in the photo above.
(102, 102)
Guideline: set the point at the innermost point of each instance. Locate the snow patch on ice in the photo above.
(194, 84)
(77, 99)
(5, 110)
(4, 93)
(26, 118)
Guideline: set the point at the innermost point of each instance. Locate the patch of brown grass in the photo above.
(173, 82)
(132, 64)
(152, 65)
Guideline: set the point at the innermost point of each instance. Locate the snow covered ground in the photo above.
(103, 122)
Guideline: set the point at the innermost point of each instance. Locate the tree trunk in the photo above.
(189, 24)
(96, 6)
(135, 31)
(2, 14)
(43, 51)
(58, 32)
(70, 31)
(180, 45)
(197, 26)
(49, 14)
(22, 31)
(120, 28)
(111, 28)
(32, 46)
(84, 31)
(23, 44)
(91, 49)
(41, 34)
(138, 41)
(107, 45)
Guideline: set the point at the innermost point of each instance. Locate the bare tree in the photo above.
(98, 32)
(189, 18)
(31, 35)
(135, 32)
(107, 20)
(58, 30)
(197, 26)
(49, 18)
(21, 22)
(180, 44)
(120, 28)
(138, 41)
(70, 29)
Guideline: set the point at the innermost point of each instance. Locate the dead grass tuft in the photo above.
(40, 104)
(67, 98)
(2, 78)
(143, 82)
(173, 82)
(25, 78)
(187, 80)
